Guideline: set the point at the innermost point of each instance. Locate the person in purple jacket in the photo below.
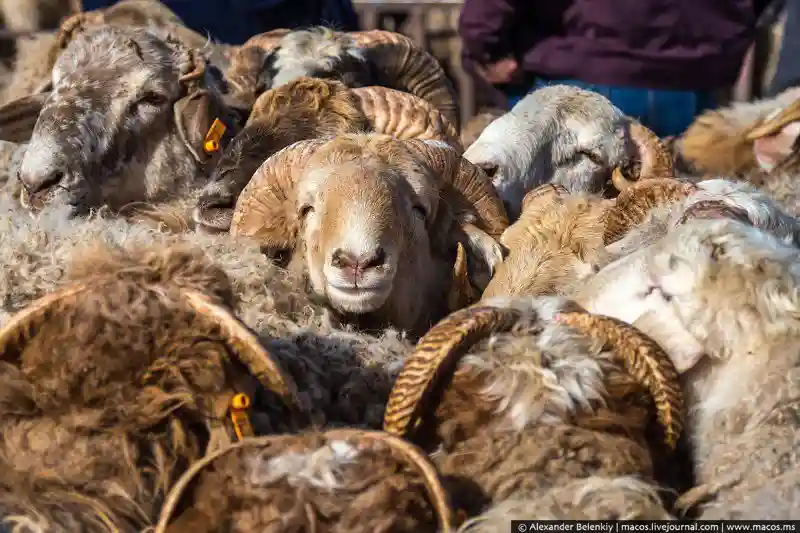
(657, 60)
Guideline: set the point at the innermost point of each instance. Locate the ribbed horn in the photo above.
(439, 349)
(643, 359)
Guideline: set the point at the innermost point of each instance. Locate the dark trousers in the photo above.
(788, 71)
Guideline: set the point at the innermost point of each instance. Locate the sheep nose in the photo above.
(34, 183)
(357, 264)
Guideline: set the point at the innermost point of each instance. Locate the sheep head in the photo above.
(137, 361)
(375, 222)
(304, 109)
(776, 142)
(568, 136)
(357, 59)
(521, 362)
(556, 242)
(354, 479)
(130, 119)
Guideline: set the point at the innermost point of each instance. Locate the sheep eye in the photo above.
(305, 211)
(152, 98)
(591, 156)
(419, 211)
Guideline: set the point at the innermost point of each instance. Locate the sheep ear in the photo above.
(771, 150)
(18, 118)
(203, 124)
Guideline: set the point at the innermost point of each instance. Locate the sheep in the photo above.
(344, 377)
(31, 80)
(556, 242)
(116, 381)
(475, 126)
(341, 480)
(133, 118)
(375, 223)
(567, 136)
(718, 142)
(648, 211)
(304, 109)
(532, 395)
(721, 297)
(358, 59)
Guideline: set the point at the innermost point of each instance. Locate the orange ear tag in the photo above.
(215, 133)
(241, 421)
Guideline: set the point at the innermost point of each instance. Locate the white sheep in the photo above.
(722, 298)
(568, 136)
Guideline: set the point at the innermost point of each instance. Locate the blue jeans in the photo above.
(663, 111)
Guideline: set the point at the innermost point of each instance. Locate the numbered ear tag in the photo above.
(241, 421)
(214, 135)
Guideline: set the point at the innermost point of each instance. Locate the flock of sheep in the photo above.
(277, 288)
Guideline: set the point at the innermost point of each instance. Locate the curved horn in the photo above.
(443, 345)
(410, 453)
(544, 192)
(69, 29)
(633, 204)
(265, 209)
(406, 66)
(651, 157)
(405, 116)
(468, 188)
(774, 125)
(713, 209)
(23, 324)
(643, 359)
(247, 348)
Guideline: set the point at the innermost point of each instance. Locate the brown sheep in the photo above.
(340, 481)
(358, 59)
(308, 108)
(520, 397)
(115, 382)
(556, 242)
(376, 224)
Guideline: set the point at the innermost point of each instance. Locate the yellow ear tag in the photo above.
(241, 421)
(215, 133)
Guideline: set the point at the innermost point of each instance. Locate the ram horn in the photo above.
(547, 192)
(633, 204)
(265, 208)
(436, 356)
(405, 66)
(23, 325)
(247, 348)
(649, 155)
(359, 438)
(69, 29)
(643, 359)
(773, 125)
(714, 209)
(404, 116)
(466, 188)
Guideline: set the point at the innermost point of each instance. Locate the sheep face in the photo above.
(316, 53)
(126, 121)
(558, 134)
(377, 224)
(365, 233)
